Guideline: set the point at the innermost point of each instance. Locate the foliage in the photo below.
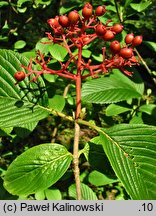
(117, 146)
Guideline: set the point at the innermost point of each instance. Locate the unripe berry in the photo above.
(53, 23)
(57, 18)
(19, 76)
(64, 21)
(115, 46)
(100, 29)
(137, 40)
(129, 38)
(126, 52)
(86, 39)
(73, 17)
(108, 35)
(87, 11)
(117, 28)
(100, 10)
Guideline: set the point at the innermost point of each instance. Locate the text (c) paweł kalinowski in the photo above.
(61, 207)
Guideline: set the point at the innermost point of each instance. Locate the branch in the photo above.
(117, 10)
(76, 160)
(143, 62)
(71, 119)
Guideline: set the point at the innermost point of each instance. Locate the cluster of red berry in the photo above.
(74, 30)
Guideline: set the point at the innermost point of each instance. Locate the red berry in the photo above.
(64, 21)
(108, 35)
(100, 29)
(137, 40)
(129, 38)
(100, 10)
(73, 17)
(117, 28)
(87, 11)
(126, 52)
(115, 46)
(19, 76)
(53, 23)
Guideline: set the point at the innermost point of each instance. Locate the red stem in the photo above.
(78, 84)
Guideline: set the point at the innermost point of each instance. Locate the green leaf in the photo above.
(99, 179)
(86, 53)
(111, 8)
(64, 10)
(38, 3)
(20, 2)
(58, 52)
(114, 88)
(5, 131)
(22, 10)
(150, 109)
(50, 77)
(4, 195)
(40, 195)
(29, 54)
(139, 7)
(97, 157)
(70, 100)
(44, 45)
(137, 119)
(116, 109)
(131, 150)
(98, 58)
(21, 103)
(15, 112)
(86, 192)
(53, 194)
(135, 81)
(37, 169)
(20, 44)
(85, 151)
(3, 3)
(127, 3)
(25, 129)
(57, 103)
(151, 45)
